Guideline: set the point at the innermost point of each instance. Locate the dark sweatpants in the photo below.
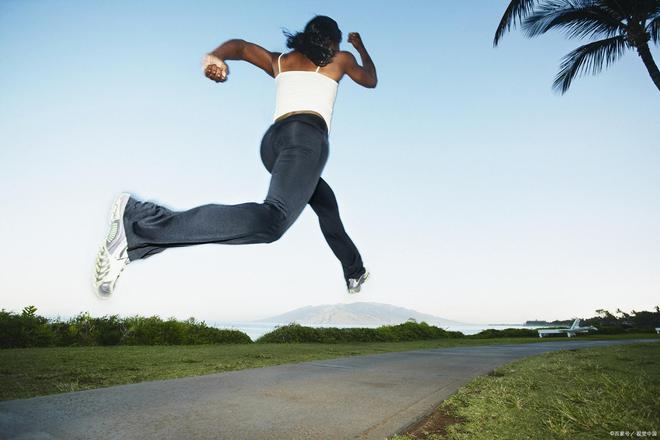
(294, 150)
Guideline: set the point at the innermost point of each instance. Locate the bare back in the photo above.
(295, 60)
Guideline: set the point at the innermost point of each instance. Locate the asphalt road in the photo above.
(358, 397)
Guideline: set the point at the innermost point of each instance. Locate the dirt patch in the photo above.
(435, 423)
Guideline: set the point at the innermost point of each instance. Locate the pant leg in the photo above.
(297, 151)
(324, 204)
(152, 228)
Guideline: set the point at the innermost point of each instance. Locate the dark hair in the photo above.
(315, 42)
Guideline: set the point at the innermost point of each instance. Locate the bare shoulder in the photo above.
(345, 59)
(349, 66)
(274, 56)
(259, 56)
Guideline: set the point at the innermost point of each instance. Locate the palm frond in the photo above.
(620, 9)
(627, 9)
(643, 8)
(655, 13)
(653, 28)
(515, 12)
(592, 57)
(578, 18)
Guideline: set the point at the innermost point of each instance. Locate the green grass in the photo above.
(579, 394)
(28, 372)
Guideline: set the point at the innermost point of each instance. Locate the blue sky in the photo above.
(473, 191)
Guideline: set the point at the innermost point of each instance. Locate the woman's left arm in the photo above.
(237, 49)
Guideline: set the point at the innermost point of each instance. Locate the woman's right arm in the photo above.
(236, 49)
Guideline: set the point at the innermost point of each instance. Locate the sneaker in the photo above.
(112, 256)
(354, 285)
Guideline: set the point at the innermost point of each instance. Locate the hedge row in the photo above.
(30, 330)
(506, 333)
(408, 331)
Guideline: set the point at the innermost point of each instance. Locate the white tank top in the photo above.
(304, 90)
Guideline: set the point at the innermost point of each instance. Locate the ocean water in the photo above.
(256, 330)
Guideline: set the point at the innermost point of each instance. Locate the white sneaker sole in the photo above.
(112, 256)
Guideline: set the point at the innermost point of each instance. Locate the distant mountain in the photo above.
(358, 313)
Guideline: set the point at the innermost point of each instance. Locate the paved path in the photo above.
(359, 397)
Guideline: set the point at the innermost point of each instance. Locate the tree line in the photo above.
(27, 329)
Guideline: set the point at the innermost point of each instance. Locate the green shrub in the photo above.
(108, 330)
(412, 331)
(408, 331)
(506, 333)
(291, 333)
(31, 330)
(154, 331)
(24, 330)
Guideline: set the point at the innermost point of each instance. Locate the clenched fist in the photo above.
(355, 39)
(214, 68)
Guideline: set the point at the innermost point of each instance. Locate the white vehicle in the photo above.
(570, 331)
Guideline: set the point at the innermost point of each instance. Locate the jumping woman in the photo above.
(294, 150)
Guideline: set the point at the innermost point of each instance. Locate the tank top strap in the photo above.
(317, 68)
(279, 66)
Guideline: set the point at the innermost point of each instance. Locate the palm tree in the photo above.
(618, 25)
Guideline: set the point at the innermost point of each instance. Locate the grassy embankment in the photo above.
(581, 394)
(28, 372)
